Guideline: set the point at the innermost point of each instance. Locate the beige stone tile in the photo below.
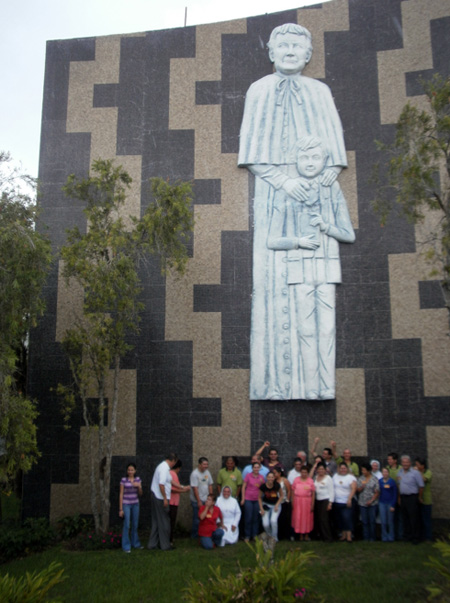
(415, 55)
(333, 16)
(410, 321)
(438, 441)
(69, 305)
(204, 329)
(351, 429)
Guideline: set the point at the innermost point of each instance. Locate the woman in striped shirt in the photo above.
(130, 490)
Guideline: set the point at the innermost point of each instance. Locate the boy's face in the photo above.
(311, 162)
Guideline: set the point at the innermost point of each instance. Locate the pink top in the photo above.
(174, 496)
(303, 488)
(253, 483)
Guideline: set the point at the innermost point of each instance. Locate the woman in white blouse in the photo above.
(344, 490)
(324, 502)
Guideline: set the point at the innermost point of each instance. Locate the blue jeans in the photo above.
(208, 542)
(195, 520)
(130, 518)
(387, 522)
(344, 517)
(368, 518)
(251, 508)
(270, 521)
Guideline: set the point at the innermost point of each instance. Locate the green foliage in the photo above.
(268, 582)
(418, 172)
(73, 525)
(440, 591)
(31, 588)
(91, 541)
(34, 535)
(167, 223)
(18, 432)
(25, 257)
(10, 507)
(24, 261)
(104, 261)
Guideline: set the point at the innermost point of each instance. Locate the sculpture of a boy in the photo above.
(306, 234)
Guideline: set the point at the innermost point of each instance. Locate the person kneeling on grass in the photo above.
(210, 530)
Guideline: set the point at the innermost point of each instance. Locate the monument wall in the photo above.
(170, 103)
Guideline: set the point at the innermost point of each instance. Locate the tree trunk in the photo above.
(108, 442)
(93, 479)
(92, 467)
(101, 457)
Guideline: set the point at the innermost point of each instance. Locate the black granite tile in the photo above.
(105, 95)
(208, 93)
(431, 295)
(207, 192)
(406, 353)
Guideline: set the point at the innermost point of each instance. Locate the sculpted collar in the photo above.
(291, 83)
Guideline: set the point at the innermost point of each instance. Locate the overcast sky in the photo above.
(28, 24)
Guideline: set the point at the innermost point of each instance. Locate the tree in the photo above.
(25, 257)
(104, 262)
(418, 174)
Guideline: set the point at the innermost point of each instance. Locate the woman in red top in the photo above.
(177, 488)
(210, 529)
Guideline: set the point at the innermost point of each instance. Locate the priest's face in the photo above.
(290, 53)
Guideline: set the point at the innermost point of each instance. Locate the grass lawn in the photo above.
(359, 572)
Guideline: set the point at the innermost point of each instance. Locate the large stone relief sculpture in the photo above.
(291, 140)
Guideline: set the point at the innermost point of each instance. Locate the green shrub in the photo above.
(90, 541)
(71, 526)
(441, 591)
(31, 588)
(269, 582)
(10, 508)
(34, 535)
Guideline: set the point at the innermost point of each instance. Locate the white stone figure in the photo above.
(304, 236)
(292, 355)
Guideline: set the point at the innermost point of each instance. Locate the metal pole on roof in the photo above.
(185, 15)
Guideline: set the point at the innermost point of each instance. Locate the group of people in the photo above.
(325, 499)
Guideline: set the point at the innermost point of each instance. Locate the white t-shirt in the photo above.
(293, 473)
(162, 477)
(324, 489)
(202, 481)
(342, 487)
